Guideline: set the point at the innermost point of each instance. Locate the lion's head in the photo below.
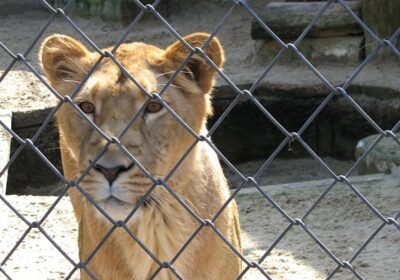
(110, 99)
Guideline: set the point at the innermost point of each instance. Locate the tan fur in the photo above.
(157, 142)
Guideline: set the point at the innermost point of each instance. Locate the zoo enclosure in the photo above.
(289, 136)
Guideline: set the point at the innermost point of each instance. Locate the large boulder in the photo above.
(385, 157)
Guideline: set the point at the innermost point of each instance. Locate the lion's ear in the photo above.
(62, 58)
(200, 70)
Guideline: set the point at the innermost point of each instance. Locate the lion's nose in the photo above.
(111, 173)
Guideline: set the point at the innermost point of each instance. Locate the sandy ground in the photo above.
(341, 221)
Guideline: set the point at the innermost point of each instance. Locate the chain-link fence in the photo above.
(157, 182)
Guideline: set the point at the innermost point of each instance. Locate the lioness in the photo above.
(157, 141)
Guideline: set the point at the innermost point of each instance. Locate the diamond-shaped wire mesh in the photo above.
(246, 94)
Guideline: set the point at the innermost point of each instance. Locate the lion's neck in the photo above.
(162, 226)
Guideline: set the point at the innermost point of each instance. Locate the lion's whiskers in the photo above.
(171, 72)
(71, 81)
(171, 85)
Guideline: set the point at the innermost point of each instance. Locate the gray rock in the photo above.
(385, 157)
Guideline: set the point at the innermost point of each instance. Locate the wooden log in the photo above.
(342, 50)
(383, 17)
(288, 20)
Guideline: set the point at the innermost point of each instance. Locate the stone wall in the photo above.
(8, 7)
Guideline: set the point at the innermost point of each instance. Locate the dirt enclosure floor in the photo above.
(341, 221)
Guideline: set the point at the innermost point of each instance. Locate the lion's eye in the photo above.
(87, 107)
(153, 107)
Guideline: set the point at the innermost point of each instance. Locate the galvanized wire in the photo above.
(289, 136)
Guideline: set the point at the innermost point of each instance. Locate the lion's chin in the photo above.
(117, 209)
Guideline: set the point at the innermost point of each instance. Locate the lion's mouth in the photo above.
(115, 200)
(112, 199)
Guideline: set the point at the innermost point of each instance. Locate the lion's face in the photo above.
(118, 107)
(154, 138)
